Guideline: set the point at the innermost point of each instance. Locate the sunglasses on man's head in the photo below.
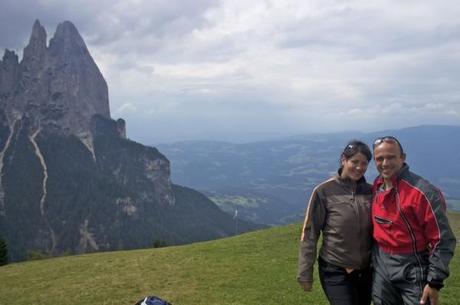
(387, 139)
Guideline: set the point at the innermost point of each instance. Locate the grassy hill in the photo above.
(255, 268)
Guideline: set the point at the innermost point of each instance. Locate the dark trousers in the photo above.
(399, 279)
(342, 288)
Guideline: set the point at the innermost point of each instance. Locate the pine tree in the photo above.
(3, 252)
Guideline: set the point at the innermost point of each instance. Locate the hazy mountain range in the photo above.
(270, 181)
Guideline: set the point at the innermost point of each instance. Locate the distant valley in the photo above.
(269, 182)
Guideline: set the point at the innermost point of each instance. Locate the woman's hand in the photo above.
(306, 286)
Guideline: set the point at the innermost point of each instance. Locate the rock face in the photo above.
(71, 181)
(58, 87)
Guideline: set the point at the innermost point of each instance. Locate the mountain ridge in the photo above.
(280, 174)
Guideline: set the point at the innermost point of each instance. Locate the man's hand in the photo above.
(430, 294)
(306, 286)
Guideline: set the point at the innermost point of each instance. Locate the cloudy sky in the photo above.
(240, 70)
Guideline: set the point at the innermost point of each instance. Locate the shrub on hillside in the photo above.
(3, 252)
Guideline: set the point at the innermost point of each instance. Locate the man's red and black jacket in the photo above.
(411, 218)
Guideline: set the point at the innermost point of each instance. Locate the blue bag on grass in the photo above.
(152, 300)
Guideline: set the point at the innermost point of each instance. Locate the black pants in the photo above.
(342, 288)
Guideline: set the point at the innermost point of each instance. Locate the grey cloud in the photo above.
(370, 32)
(261, 67)
(103, 22)
(150, 21)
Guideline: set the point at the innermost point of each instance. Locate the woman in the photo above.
(339, 208)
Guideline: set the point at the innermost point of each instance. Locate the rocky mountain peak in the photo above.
(59, 86)
(8, 74)
(35, 51)
(68, 43)
(73, 65)
(66, 31)
(9, 58)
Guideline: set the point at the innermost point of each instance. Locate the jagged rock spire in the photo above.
(60, 87)
(67, 41)
(35, 51)
(68, 51)
(8, 73)
(9, 58)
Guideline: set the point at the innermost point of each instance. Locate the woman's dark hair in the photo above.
(353, 147)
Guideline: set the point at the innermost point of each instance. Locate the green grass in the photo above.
(255, 268)
(454, 221)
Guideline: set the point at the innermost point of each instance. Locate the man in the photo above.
(414, 242)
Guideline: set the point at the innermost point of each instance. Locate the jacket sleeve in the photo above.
(313, 224)
(441, 239)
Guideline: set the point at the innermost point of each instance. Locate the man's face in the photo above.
(388, 159)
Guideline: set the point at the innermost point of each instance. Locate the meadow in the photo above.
(250, 269)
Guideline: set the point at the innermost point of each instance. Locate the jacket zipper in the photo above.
(414, 242)
(356, 207)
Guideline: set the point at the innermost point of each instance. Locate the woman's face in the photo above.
(354, 167)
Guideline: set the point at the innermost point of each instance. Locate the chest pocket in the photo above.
(386, 215)
(382, 221)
